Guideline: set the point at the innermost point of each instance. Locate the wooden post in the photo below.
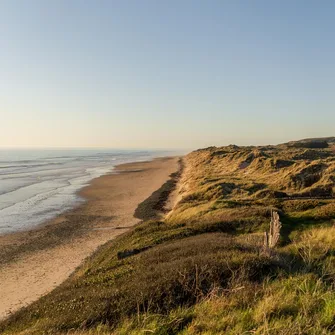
(266, 241)
(272, 238)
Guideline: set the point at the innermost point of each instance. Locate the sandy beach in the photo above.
(33, 262)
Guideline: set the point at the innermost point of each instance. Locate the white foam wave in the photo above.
(35, 186)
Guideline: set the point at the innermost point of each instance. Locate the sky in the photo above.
(165, 74)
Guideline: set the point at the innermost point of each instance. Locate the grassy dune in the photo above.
(201, 268)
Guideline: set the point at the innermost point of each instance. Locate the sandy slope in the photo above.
(33, 263)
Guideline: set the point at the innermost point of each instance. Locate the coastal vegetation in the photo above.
(201, 268)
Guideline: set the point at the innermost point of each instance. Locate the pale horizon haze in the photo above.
(165, 74)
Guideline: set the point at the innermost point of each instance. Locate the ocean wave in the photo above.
(33, 189)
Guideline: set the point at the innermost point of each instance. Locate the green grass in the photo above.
(201, 269)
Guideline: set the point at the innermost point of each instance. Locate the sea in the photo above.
(39, 184)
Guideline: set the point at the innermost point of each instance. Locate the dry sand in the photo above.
(32, 263)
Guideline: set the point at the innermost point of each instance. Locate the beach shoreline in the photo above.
(61, 244)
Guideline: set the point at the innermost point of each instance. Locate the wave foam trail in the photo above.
(36, 185)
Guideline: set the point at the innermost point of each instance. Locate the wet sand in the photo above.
(34, 262)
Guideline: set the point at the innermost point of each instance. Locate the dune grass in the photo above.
(202, 269)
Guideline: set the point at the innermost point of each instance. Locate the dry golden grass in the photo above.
(202, 270)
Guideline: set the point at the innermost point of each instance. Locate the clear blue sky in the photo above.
(169, 74)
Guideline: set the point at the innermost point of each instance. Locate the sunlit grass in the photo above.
(202, 269)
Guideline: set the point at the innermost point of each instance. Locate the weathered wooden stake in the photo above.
(272, 238)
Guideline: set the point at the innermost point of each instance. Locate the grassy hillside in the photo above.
(201, 269)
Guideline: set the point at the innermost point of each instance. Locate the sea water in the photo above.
(37, 185)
